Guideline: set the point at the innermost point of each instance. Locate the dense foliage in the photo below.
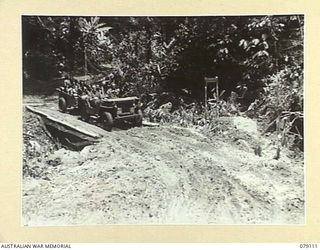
(258, 57)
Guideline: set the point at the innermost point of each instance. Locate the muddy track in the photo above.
(161, 175)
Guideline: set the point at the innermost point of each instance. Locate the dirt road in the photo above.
(167, 175)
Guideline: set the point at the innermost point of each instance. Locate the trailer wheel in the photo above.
(107, 121)
(62, 104)
(138, 120)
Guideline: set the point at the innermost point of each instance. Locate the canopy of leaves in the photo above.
(249, 54)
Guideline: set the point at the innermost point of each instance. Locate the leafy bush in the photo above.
(282, 100)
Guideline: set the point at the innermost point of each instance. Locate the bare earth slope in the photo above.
(166, 175)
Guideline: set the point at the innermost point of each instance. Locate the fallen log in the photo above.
(150, 124)
(62, 124)
(33, 104)
(69, 135)
(67, 130)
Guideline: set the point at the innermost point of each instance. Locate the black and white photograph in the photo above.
(163, 120)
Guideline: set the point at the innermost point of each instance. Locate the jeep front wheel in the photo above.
(83, 112)
(107, 121)
(138, 120)
(62, 104)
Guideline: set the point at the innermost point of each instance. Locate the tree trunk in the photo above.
(149, 44)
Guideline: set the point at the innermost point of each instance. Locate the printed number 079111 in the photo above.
(307, 246)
